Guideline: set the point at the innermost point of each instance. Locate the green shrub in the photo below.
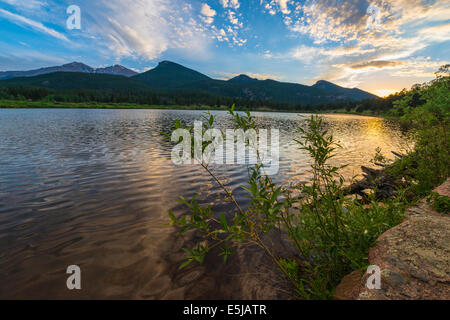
(439, 203)
(331, 233)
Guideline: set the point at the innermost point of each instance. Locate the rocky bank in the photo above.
(414, 258)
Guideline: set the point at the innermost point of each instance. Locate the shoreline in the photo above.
(20, 104)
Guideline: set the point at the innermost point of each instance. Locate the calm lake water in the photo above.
(93, 187)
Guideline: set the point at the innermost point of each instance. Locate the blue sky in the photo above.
(379, 46)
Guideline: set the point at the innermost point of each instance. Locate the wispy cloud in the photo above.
(25, 58)
(378, 64)
(21, 20)
(147, 28)
(310, 54)
(26, 4)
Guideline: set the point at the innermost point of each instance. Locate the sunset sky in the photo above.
(378, 46)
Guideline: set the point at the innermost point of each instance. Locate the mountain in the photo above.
(242, 78)
(259, 90)
(117, 70)
(172, 78)
(77, 80)
(69, 67)
(338, 91)
(170, 75)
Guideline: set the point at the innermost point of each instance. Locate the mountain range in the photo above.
(170, 77)
(117, 70)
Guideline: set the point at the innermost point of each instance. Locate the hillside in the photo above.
(76, 80)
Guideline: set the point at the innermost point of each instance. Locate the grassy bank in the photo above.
(17, 104)
(30, 104)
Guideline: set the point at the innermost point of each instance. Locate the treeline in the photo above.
(132, 96)
(145, 97)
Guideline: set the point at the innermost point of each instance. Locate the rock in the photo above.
(348, 289)
(414, 258)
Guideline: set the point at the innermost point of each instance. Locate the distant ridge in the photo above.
(173, 78)
(338, 90)
(77, 80)
(117, 70)
(69, 67)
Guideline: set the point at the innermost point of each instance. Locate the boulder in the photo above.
(414, 258)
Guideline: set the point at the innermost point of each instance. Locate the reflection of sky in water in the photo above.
(93, 187)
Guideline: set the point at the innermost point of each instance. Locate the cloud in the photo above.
(27, 4)
(272, 6)
(208, 13)
(233, 19)
(147, 28)
(327, 21)
(420, 68)
(436, 33)
(357, 38)
(234, 4)
(123, 29)
(229, 35)
(331, 20)
(267, 54)
(283, 4)
(379, 64)
(308, 54)
(26, 58)
(21, 20)
(228, 29)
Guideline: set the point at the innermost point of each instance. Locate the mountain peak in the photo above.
(74, 63)
(338, 90)
(117, 69)
(72, 67)
(324, 83)
(170, 74)
(168, 63)
(242, 78)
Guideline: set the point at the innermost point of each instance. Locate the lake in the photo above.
(93, 187)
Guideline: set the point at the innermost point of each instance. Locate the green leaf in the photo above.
(275, 195)
(185, 264)
(223, 221)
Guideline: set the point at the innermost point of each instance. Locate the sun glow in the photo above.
(384, 92)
